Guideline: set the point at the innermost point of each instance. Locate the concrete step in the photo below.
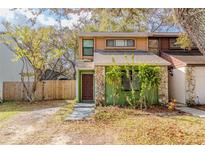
(81, 111)
(84, 105)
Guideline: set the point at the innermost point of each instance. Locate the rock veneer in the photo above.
(100, 85)
(190, 85)
(163, 87)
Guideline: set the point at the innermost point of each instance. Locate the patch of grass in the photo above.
(10, 109)
(7, 115)
(7, 110)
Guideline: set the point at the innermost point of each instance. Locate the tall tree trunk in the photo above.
(193, 23)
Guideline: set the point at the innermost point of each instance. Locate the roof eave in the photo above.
(122, 64)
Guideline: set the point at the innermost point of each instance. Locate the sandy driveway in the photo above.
(20, 126)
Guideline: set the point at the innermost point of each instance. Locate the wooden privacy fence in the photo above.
(46, 90)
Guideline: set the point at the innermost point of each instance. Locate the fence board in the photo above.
(46, 90)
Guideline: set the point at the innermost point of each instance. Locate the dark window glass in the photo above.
(88, 47)
(125, 82)
(130, 43)
(110, 43)
(132, 79)
(87, 51)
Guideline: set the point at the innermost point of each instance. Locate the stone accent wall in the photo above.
(190, 84)
(100, 85)
(163, 87)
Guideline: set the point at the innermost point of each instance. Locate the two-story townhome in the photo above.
(187, 69)
(97, 51)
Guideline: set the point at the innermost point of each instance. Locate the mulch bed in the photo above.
(164, 111)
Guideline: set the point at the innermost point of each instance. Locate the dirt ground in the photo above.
(110, 125)
(29, 120)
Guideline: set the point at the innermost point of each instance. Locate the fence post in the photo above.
(43, 97)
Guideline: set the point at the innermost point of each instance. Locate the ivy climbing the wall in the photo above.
(150, 79)
(142, 82)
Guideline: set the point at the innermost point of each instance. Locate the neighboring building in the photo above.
(9, 68)
(187, 76)
(159, 42)
(96, 53)
(187, 70)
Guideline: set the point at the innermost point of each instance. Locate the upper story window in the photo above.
(173, 44)
(120, 43)
(88, 47)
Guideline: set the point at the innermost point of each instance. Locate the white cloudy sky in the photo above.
(19, 17)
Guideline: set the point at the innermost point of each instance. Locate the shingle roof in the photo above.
(130, 34)
(115, 34)
(191, 60)
(188, 57)
(124, 57)
(165, 34)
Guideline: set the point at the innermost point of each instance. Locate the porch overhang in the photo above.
(84, 65)
(107, 58)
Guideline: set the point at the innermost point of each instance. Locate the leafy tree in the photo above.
(114, 19)
(38, 49)
(129, 20)
(192, 21)
(150, 79)
(130, 66)
(113, 78)
(184, 41)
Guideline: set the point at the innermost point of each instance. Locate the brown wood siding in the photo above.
(142, 44)
(100, 43)
(164, 44)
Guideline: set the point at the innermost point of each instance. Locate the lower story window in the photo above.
(132, 79)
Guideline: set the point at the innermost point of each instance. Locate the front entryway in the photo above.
(87, 87)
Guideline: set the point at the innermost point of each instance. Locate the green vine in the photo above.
(150, 79)
(113, 78)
